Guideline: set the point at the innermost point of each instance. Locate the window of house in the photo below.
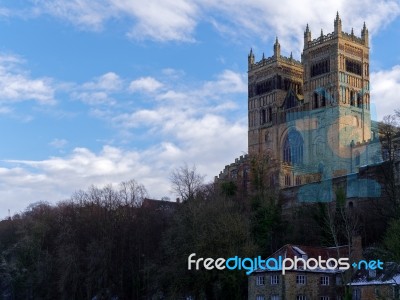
(356, 294)
(324, 280)
(260, 297)
(275, 297)
(298, 180)
(300, 279)
(301, 297)
(274, 279)
(372, 273)
(260, 280)
(377, 292)
(324, 298)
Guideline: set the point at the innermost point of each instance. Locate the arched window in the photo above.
(293, 148)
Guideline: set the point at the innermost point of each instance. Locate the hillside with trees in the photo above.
(115, 243)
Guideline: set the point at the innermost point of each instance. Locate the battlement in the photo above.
(336, 34)
(275, 59)
(353, 38)
(272, 59)
(321, 39)
(230, 171)
(331, 36)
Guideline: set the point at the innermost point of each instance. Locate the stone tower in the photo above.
(308, 115)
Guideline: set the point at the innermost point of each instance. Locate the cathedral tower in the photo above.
(307, 115)
(336, 90)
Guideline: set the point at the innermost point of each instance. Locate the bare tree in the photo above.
(389, 131)
(132, 193)
(343, 225)
(186, 182)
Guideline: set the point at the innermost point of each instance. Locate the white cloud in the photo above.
(145, 84)
(176, 20)
(210, 142)
(199, 131)
(173, 73)
(5, 110)
(180, 103)
(385, 87)
(16, 84)
(166, 20)
(160, 20)
(82, 13)
(227, 82)
(94, 98)
(100, 90)
(287, 18)
(108, 82)
(58, 143)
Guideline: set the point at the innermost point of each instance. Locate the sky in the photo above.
(96, 92)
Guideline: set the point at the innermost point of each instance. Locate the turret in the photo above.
(250, 59)
(338, 25)
(307, 37)
(364, 35)
(277, 48)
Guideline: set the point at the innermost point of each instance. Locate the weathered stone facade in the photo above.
(312, 117)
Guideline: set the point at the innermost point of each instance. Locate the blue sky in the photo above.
(99, 92)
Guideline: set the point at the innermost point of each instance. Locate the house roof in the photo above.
(305, 252)
(159, 204)
(292, 251)
(389, 275)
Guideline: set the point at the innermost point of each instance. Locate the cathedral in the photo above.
(311, 117)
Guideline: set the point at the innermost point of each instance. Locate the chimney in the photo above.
(178, 200)
(356, 248)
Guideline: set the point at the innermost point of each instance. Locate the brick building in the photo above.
(300, 284)
(377, 284)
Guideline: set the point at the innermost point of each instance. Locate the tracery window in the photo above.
(293, 148)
